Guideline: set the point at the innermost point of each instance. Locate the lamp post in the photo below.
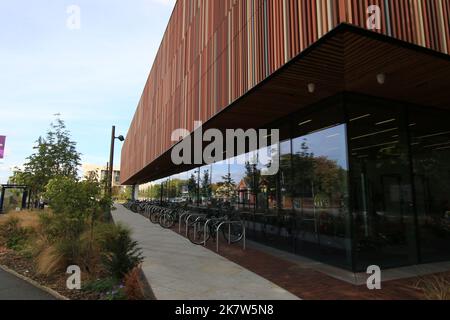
(111, 159)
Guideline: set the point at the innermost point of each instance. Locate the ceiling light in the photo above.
(374, 133)
(384, 122)
(375, 146)
(444, 148)
(381, 78)
(361, 117)
(311, 87)
(437, 145)
(304, 122)
(434, 135)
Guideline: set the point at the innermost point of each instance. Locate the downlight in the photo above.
(381, 78)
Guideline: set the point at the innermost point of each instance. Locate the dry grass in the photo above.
(28, 219)
(435, 287)
(49, 261)
(46, 256)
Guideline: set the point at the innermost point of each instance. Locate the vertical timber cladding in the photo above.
(214, 51)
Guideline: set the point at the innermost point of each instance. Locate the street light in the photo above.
(111, 159)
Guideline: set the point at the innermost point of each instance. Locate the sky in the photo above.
(93, 76)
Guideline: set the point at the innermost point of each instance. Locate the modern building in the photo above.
(101, 172)
(360, 91)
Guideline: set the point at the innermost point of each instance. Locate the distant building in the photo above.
(101, 172)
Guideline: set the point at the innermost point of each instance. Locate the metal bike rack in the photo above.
(229, 223)
(189, 217)
(206, 228)
(195, 227)
(180, 218)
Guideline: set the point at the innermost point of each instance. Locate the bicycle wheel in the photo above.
(233, 232)
(167, 221)
(154, 217)
(196, 232)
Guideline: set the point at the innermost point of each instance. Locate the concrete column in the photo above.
(135, 192)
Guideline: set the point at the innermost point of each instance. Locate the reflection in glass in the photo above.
(381, 185)
(430, 148)
(392, 159)
(319, 192)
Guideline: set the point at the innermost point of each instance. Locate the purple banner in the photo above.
(2, 146)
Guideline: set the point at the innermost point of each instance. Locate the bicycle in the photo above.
(202, 228)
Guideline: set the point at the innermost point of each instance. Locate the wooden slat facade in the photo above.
(214, 51)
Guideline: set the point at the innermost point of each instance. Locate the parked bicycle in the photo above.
(203, 227)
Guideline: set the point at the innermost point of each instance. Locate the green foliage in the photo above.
(206, 190)
(13, 235)
(109, 288)
(120, 253)
(77, 207)
(192, 186)
(226, 189)
(55, 156)
(152, 192)
(117, 293)
(100, 285)
(75, 198)
(122, 194)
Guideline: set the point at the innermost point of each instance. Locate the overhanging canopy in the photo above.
(347, 59)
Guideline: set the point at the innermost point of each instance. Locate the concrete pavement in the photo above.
(13, 288)
(179, 270)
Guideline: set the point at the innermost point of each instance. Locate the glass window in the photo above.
(243, 198)
(205, 185)
(285, 173)
(193, 183)
(382, 205)
(430, 148)
(319, 194)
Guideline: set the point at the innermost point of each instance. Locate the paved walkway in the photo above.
(179, 270)
(13, 288)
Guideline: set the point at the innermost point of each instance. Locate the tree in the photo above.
(192, 186)
(77, 207)
(55, 156)
(252, 177)
(206, 185)
(226, 189)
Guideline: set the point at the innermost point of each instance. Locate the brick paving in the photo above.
(309, 284)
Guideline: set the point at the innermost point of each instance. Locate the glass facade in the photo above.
(361, 182)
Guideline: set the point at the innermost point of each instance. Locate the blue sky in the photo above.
(93, 76)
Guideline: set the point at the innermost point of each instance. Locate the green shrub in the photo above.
(101, 285)
(77, 207)
(120, 254)
(108, 288)
(13, 235)
(62, 226)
